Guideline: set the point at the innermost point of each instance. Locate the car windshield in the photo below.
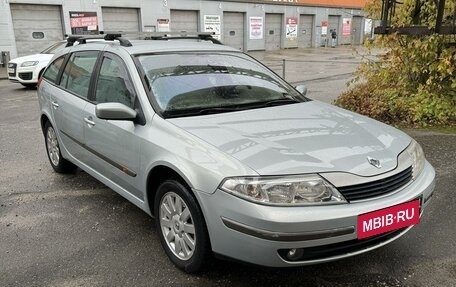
(54, 48)
(188, 84)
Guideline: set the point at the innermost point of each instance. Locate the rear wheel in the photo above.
(181, 226)
(58, 163)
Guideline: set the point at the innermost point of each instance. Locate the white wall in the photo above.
(151, 10)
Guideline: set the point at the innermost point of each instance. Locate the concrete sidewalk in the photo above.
(303, 65)
(325, 71)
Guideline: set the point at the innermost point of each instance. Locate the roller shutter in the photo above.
(233, 29)
(36, 27)
(273, 31)
(357, 30)
(125, 20)
(305, 31)
(184, 21)
(334, 23)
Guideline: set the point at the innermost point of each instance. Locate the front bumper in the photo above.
(24, 75)
(259, 234)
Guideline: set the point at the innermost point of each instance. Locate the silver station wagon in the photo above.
(226, 156)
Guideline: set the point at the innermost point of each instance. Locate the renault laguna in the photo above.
(226, 156)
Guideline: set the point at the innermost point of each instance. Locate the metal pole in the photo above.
(283, 69)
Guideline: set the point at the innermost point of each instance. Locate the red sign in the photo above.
(83, 22)
(346, 27)
(292, 21)
(388, 219)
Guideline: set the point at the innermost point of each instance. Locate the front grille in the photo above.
(26, 76)
(341, 248)
(12, 66)
(378, 187)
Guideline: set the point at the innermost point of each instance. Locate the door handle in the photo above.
(55, 105)
(89, 121)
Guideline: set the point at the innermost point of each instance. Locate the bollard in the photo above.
(5, 58)
(283, 69)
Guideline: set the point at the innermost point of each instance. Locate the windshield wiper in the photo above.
(208, 111)
(277, 102)
(219, 110)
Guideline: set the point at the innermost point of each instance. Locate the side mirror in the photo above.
(302, 89)
(115, 111)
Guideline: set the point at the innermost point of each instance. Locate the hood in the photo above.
(35, 57)
(300, 138)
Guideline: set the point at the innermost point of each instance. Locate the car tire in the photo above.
(181, 226)
(58, 163)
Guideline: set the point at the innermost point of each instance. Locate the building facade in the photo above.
(28, 26)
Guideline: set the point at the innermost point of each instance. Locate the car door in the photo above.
(114, 143)
(70, 99)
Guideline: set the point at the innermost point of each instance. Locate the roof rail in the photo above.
(204, 36)
(82, 39)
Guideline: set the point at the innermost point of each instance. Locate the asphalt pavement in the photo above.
(71, 230)
(3, 74)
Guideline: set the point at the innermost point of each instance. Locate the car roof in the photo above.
(152, 45)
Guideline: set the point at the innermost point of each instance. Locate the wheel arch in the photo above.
(40, 73)
(157, 175)
(43, 120)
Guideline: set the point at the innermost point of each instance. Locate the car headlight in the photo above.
(417, 155)
(29, 63)
(285, 190)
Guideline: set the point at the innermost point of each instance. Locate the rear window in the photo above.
(78, 72)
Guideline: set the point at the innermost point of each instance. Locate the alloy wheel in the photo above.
(53, 146)
(177, 226)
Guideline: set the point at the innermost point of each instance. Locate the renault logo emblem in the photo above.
(375, 162)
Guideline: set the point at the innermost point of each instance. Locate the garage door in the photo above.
(333, 23)
(357, 30)
(273, 31)
(184, 21)
(36, 27)
(233, 30)
(305, 31)
(125, 20)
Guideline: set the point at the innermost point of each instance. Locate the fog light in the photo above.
(294, 254)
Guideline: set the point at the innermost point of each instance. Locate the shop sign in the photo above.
(213, 23)
(346, 27)
(292, 27)
(256, 28)
(82, 23)
(163, 25)
(324, 28)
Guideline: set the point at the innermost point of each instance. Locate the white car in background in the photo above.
(28, 69)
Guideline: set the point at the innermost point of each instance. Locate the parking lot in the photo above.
(71, 230)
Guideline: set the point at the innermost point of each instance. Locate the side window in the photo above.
(52, 71)
(113, 84)
(77, 73)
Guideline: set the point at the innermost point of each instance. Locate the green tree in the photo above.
(414, 81)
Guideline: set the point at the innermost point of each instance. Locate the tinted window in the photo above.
(53, 70)
(78, 71)
(113, 83)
